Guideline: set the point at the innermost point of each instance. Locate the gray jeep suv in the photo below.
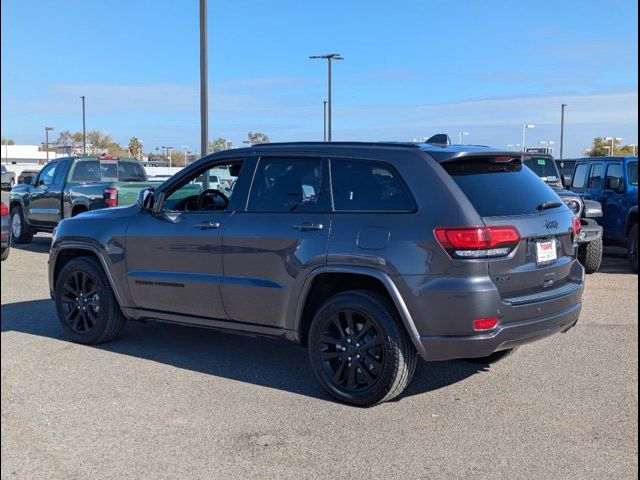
(369, 254)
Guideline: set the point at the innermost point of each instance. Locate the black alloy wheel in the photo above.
(351, 350)
(81, 302)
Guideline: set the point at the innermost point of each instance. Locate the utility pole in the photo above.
(84, 128)
(324, 120)
(46, 140)
(329, 58)
(564, 105)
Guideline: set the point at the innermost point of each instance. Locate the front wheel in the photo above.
(20, 231)
(632, 248)
(5, 253)
(359, 349)
(85, 304)
(590, 254)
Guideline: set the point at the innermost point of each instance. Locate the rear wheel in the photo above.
(590, 254)
(632, 248)
(20, 231)
(86, 306)
(5, 253)
(359, 350)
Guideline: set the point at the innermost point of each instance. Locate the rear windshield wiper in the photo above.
(548, 205)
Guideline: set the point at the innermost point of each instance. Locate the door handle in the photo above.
(207, 225)
(308, 227)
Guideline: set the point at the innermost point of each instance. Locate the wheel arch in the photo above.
(324, 282)
(65, 253)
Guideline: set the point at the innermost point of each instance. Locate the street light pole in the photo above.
(46, 140)
(185, 147)
(84, 128)
(524, 133)
(564, 105)
(329, 57)
(324, 120)
(204, 95)
(612, 140)
(460, 135)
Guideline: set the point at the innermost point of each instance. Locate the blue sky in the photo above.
(412, 68)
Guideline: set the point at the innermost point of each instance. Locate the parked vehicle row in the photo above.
(5, 232)
(369, 254)
(590, 239)
(67, 187)
(8, 178)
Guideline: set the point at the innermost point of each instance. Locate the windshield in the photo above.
(545, 168)
(633, 173)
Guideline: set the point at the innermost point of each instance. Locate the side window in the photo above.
(86, 171)
(61, 170)
(185, 197)
(47, 173)
(614, 175)
(288, 185)
(580, 176)
(366, 186)
(595, 176)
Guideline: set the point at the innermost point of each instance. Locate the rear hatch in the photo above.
(540, 259)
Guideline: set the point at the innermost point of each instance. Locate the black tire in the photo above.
(5, 253)
(383, 344)
(494, 357)
(86, 306)
(21, 233)
(632, 248)
(590, 254)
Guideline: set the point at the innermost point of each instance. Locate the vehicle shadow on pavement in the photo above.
(38, 245)
(266, 362)
(615, 260)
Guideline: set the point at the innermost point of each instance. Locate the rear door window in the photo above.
(499, 188)
(368, 186)
(614, 173)
(580, 176)
(86, 171)
(595, 176)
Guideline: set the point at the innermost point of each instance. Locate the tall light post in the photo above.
(460, 135)
(185, 148)
(324, 120)
(46, 140)
(524, 134)
(168, 149)
(84, 128)
(613, 143)
(608, 150)
(329, 57)
(204, 93)
(635, 149)
(564, 105)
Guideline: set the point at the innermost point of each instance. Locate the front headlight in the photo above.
(574, 204)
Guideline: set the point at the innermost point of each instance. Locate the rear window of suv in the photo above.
(500, 188)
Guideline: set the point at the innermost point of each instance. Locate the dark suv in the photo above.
(370, 254)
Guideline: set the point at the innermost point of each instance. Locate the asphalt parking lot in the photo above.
(177, 402)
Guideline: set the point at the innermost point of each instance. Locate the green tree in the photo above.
(8, 141)
(256, 138)
(135, 147)
(602, 148)
(218, 145)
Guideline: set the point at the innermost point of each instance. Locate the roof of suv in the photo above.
(441, 153)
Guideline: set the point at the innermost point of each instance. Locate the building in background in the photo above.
(11, 154)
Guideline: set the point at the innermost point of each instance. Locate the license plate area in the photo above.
(546, 251)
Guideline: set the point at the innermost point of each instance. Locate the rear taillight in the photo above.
(4, 210)
(111, 197)
(478, 242)
(485, 324)
(577, 226)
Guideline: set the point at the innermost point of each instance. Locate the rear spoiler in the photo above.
(453, 156)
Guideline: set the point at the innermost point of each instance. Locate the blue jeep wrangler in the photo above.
(612, 181)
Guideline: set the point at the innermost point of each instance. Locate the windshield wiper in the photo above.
(548, 205)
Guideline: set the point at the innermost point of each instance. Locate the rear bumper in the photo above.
(508, 336)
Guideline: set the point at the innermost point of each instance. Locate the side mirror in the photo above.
(146, 198)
